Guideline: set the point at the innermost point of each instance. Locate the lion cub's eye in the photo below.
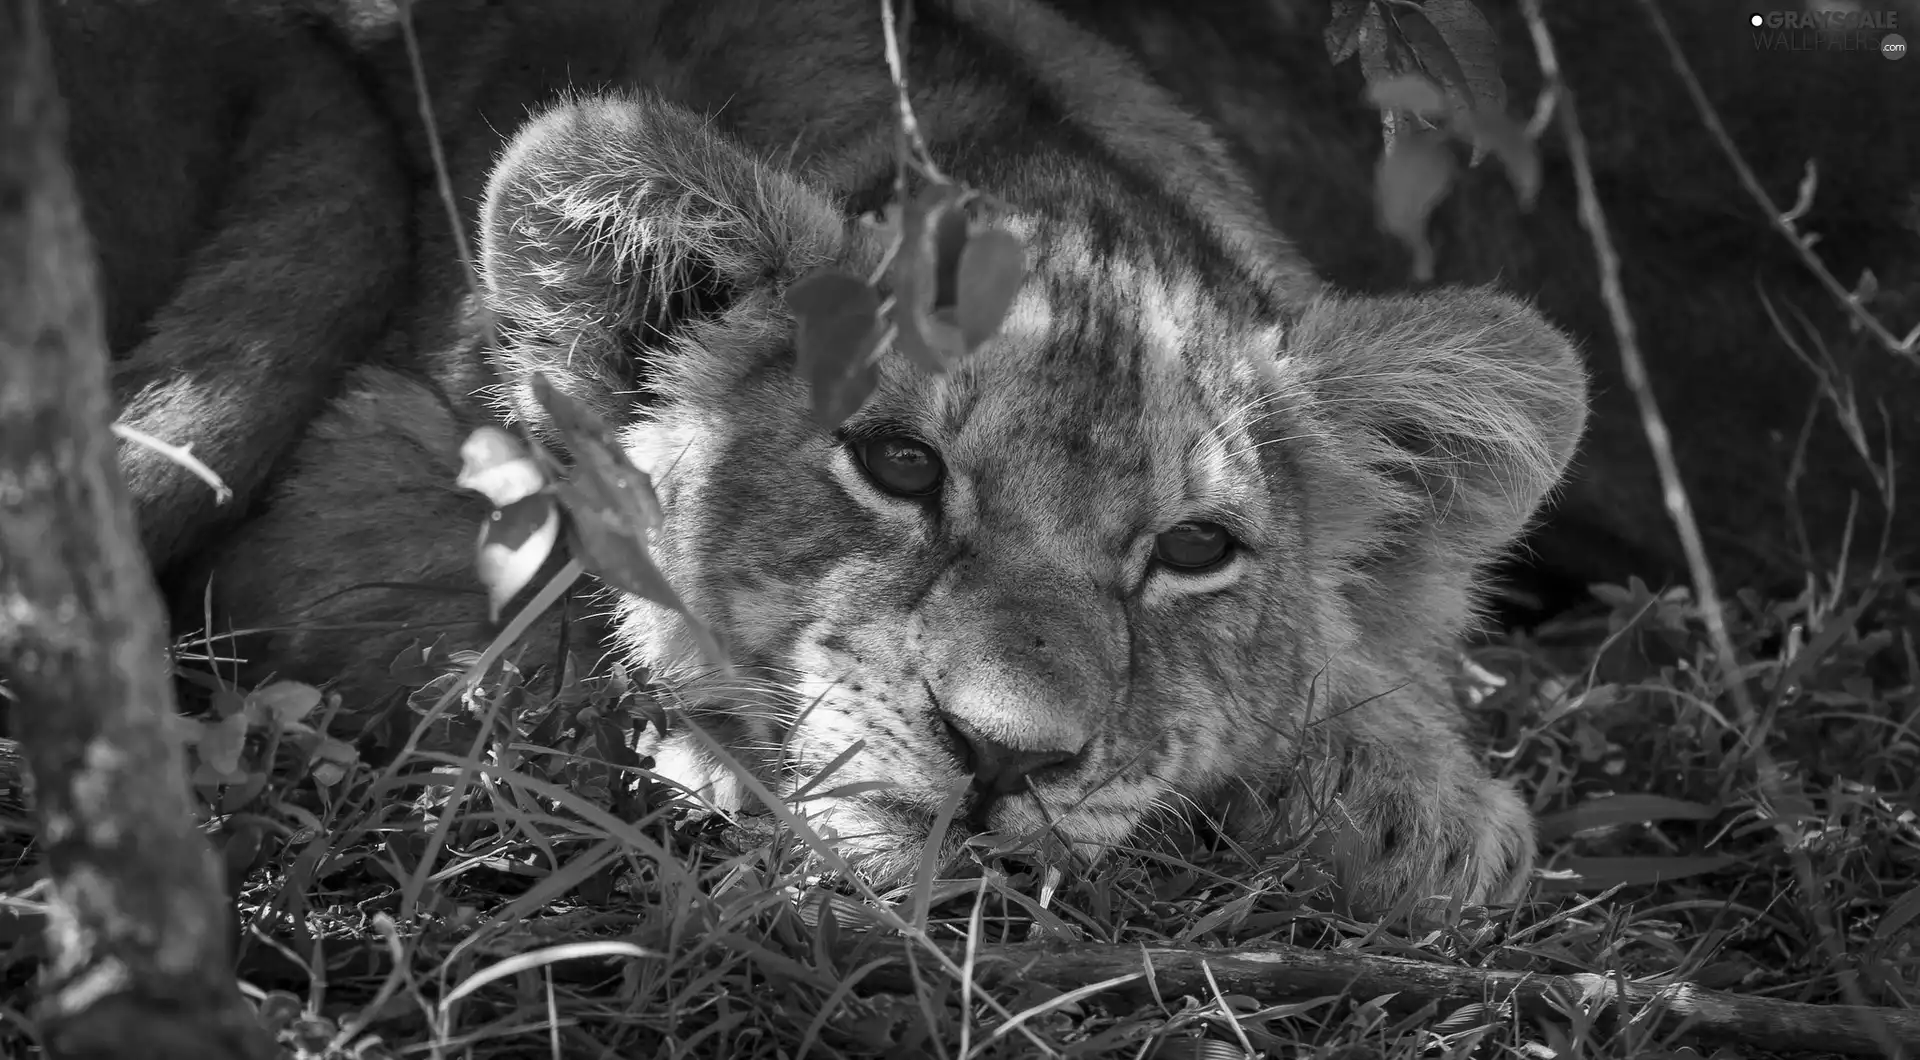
(1193, 546)
(900, 465)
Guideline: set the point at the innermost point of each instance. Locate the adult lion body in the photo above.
(228, 162)
(1194, 530)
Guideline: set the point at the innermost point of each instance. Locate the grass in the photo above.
(516, 884)
(522, 888)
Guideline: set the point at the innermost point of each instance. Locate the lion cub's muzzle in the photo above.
(1001, 768)
(1004, 760)
(1019, 684)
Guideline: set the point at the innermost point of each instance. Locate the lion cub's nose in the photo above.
(1000, 768)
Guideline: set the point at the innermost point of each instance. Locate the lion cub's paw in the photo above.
(1471, 843)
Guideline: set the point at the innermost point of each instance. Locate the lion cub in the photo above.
(1194, 532)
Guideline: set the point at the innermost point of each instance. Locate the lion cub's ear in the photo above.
(1452, 415)
(619, 233)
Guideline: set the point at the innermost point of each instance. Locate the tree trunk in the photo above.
(138, 926)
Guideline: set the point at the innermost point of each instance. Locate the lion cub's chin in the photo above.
(886, 842)
(1479, 852)
(883, 835)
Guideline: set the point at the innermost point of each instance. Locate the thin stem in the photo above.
(1781, 221)
(1674, 493)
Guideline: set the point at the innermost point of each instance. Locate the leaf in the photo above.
(606, 485)
(227, 701)
(946, 235)
(1413, 93)
(282, 702)
(1816, 650)
(1412, 179)
(1508, 140)
(331, 760)
(1867, 288)
(1475, 50)
(182, 730)
(237, 796)
(827, 292)
(221, 743)
(1380, 62)
(612, 507)
(992, 268)
(614, 742)
(241, 848)
(1803, 197)
(1343, 29)
(497, 465)
(855, 790)
(1897, 914)
(279, 1008)
(417, 664)
(514, 542)
(1614, 810)
(837, 331)
(1433, 54)
(1600, 873)
(520, 962)
(933, 234)
(616, 552)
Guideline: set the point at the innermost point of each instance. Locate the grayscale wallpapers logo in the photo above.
(1832, 30)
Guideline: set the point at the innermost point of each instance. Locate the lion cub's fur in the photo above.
(668, 168)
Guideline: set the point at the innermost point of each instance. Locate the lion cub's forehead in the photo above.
(1114, 380)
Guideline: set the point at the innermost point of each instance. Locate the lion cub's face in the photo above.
(1068, 577)
(1146, 544)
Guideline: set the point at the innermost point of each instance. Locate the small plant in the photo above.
(275, 715)
(607, 505)
(953, 278)
(1432, 67)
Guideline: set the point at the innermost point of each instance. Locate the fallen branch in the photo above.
(137, 922)
(1279, 975)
